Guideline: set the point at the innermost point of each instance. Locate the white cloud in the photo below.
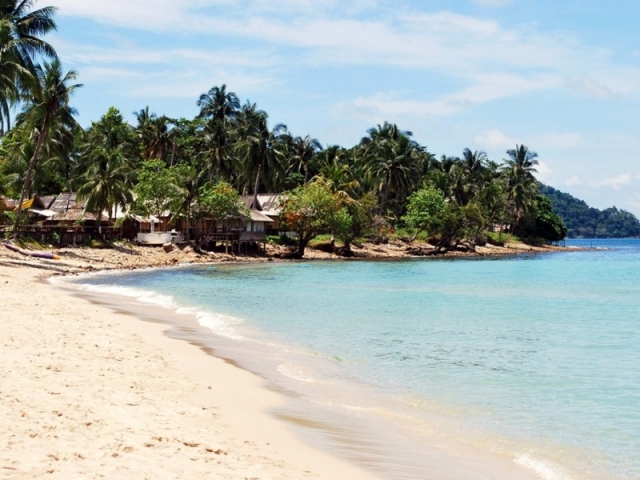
(573, 181)
(591, 87)
(495, 139)
(492, 3)
(379, 36)
(544, 172)
(615, 183)
(612, 182)
(560, 140)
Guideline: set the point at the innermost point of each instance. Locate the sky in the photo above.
(562, 78)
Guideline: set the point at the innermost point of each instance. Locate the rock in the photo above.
(168, 247)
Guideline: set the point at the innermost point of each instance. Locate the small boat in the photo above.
(36, 254)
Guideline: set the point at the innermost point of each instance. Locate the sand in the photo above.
(89, 393)
(86, 392)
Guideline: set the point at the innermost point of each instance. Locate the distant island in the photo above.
(583, 221)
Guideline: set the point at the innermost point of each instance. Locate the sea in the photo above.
(531, 360)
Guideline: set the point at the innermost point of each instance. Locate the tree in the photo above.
(20, 43)
(425, 211)
(220, 110)
(156, 190)
(521, 184)
(218, 104)
(428, 211)
(190, 180)
(153, 132)
(390, 159)
(109, 160)
(47, 104)
(215, 201)
(355, 220)
(309, 210)
(303, 151)
(544, 223)
(258, 148)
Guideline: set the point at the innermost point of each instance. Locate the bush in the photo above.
(500, 238)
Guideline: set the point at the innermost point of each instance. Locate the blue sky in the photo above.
(561, 77)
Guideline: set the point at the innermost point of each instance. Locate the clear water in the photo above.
(536, 358)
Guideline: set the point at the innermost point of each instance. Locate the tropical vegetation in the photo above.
(583, 221)
(196, 167)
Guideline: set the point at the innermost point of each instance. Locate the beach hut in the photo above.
(270, 206)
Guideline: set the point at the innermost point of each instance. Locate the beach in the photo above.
(89, 393)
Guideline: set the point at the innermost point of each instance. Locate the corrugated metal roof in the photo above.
(270, 203)
(247, 201)
(47, 200)
(257, 216)
(66, 201)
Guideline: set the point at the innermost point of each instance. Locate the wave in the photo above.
(218, 323)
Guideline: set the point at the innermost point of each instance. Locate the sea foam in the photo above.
(220, 324)
(544, 469)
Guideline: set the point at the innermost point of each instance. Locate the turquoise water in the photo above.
(535, 358)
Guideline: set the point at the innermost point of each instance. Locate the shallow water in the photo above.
(534, 358)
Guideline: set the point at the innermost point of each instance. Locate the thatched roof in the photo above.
(6, 204)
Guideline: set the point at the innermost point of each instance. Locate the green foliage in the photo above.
(500, 238)
(156, 189)
(216, 201)
(109, 159)
(428, 211)
(310, 210)
(544, 223)
(583, 221)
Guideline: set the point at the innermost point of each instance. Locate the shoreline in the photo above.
(279, 457)
(95, 394)
(368, 441)
(131, 257)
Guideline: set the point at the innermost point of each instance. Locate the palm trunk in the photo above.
(385, 196)
(32, 166)
(255, 186)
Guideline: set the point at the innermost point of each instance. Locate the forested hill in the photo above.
(583, 221)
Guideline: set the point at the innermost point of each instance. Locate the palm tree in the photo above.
(107, 185)
(109, 156)
(153, 132)
(221, 109)
(190, 180)
(258, 148)
(390, 158)
(336, 172)
(47, 104)
(303, 151)
(521, 184)
(20, 43)
(218, 104)
(217, 148)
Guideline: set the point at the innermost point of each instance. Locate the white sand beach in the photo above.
(89, 393)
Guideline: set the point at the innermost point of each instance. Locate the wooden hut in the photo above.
(270, 206)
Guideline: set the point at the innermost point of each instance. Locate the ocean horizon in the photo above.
(532, 359)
